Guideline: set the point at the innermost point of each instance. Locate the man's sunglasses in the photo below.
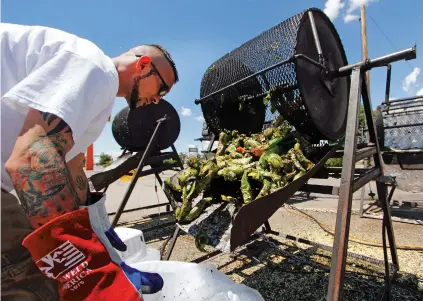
(164, 88)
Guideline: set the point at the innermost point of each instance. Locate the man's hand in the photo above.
(38, 170)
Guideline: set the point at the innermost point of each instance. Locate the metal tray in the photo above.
(228, 227)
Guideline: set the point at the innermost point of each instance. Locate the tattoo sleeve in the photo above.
(79, 178)
(40, 175)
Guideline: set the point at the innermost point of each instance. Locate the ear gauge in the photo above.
(144, 60)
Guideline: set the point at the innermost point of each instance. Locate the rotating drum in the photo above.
(314, 105)
(133, 129)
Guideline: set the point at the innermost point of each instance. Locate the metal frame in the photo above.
(352, 178)
(350, 183)
(146, 158)
(386, 105)
(406, 54)
(140, 172)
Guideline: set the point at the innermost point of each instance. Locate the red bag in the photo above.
(74, 250)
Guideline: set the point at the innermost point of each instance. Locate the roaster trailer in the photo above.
(300, 64)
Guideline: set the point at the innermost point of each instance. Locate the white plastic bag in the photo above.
(185, 281)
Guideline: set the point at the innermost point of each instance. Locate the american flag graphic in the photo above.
(60, 260)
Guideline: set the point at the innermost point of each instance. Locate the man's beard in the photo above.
(133, 100)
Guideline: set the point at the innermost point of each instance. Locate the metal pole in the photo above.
(388, 83)
(316, 37)
(172, 242)
(139, 169)
(340, 246)
(365, 57)
(406, 54)
(198, 101)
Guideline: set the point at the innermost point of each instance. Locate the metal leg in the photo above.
(181, 164)
(377, 157)
(391, 193)
(363, 191)
(336, 277)
(210, 146)
(381, 187)
(135, 178)
(267, 227)
(387, 291)
(172, 242)
(382, 194)
(161, 185)
(362, 200)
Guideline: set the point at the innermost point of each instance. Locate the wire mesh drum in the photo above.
(223, 111)
(399, 125)
(234, 89)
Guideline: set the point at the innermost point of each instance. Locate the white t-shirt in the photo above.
(56, 72)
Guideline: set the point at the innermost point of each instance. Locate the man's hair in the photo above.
(169, 59)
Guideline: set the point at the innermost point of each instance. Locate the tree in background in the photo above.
(362, 127)
(105, 159)
(182, 156)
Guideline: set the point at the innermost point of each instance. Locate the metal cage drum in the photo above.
(301, 92)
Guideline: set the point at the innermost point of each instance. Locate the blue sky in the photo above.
(198, 32)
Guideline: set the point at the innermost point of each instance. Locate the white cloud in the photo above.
(332, 8)
(186, 111)
(349, 17)
(411, 79)
(199, 118)
(420, 92)
(354, 4)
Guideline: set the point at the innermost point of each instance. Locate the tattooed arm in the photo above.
(78, 176)
(38, 168)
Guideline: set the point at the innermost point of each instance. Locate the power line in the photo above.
(389, 40)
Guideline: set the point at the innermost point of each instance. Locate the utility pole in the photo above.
(364, 39)
(365, 57)
(365, 52)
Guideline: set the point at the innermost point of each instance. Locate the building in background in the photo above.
(205, 139)
(192, 150)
